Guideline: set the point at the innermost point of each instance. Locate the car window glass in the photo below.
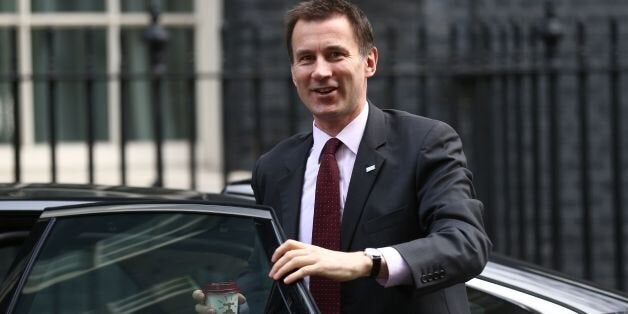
(145, 263)
(10, 244)
(484, 303)
(7, 254)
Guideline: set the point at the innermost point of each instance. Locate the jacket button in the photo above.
(423, 279)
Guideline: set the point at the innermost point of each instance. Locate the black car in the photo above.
(96, 249)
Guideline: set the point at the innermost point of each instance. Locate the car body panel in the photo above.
(528, 301)
(560, 289)
(30, 205)
(138, 208)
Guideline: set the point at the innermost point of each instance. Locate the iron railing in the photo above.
(538, 104)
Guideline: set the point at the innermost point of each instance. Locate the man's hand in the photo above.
(310, 260)
(201, 308)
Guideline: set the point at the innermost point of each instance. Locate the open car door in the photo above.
(148, 258)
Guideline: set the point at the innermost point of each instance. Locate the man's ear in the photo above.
(371, 62)
(292, 75)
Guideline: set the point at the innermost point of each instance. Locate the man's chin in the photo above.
(327, 112)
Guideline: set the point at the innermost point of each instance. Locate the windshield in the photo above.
(146, 263)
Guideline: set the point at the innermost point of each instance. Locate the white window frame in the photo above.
(72, 157)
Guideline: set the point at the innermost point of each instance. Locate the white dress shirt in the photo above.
(350, 136)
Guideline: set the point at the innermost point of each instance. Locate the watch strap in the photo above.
(376, 258)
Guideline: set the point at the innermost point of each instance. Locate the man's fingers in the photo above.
(302, 272)
(241, 298)
(199, 296)
(280, 251)
(280, 262)
(294, 260)
(290, 262)
(202, 309)
(287, 246)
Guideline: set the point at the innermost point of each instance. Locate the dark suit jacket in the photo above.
(419, 200)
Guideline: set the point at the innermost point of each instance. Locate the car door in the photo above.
(147, 258)
(17, 218)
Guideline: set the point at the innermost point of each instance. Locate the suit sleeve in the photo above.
(456, 246)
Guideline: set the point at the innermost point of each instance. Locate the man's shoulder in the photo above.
(397, 114)
(403, 120)
(286, 146)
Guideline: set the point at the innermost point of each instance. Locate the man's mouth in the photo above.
(324, 90)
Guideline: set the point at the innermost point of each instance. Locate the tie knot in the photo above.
(331, 146)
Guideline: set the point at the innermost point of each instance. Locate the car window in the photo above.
(7, 254)
(14, 228)
(145, 263)
(484, 303)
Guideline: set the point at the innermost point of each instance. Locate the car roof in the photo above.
(36, 196)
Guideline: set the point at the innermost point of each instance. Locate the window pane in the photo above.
(145, 263)
(7, 254)
(6, 85)
(484, 303)
(176, 91)
(70, 55)
(7, 5)
(172, 6)
(68, 5)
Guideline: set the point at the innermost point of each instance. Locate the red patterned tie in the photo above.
(326, 226)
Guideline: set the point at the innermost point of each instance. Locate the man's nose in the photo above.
(322, 70)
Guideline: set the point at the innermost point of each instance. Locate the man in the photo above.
(404, 194)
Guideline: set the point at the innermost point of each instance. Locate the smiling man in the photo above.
(393, 223)
(378, 204)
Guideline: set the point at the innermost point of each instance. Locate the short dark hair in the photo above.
(319, 10)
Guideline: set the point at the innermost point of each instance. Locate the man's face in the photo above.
(328, 71)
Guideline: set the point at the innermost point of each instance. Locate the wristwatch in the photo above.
(376, 258)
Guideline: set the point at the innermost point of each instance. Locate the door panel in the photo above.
(145, 262)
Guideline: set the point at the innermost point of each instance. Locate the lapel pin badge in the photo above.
(370, 168)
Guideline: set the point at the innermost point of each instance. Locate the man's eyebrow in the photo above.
(302, 51)
(336, 47)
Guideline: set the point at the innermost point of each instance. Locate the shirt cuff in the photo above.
(398, 270)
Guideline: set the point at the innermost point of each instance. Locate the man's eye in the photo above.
(306, 58)
(336, 55)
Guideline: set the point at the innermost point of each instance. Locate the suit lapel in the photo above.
(291, 187)
(363, 176)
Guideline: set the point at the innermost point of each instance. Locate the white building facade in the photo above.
(52, 45)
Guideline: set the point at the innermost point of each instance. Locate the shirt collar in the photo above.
(351, 135)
